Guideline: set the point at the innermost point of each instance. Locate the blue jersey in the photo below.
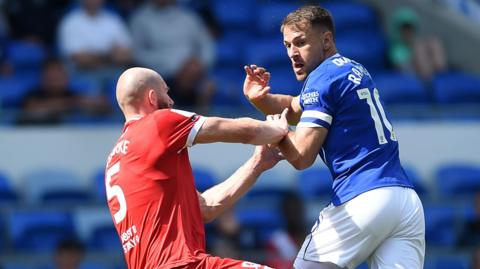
(361, 149)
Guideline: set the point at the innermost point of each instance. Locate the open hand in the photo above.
(255, 86)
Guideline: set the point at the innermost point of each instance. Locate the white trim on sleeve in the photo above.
(308, 125)
(317, 115)
(194, 131)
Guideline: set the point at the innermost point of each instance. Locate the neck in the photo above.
(330, 53)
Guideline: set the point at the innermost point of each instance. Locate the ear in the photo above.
(327, 40)
(152, 97)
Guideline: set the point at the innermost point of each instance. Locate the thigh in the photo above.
(405, 248)
(212, 262)
(347, 235)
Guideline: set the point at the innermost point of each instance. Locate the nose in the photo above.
(293, 52)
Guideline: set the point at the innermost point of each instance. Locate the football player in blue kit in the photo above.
(374, 215)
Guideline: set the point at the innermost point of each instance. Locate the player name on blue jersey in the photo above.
(361, 148)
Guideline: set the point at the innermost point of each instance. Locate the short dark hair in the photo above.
(311, 15)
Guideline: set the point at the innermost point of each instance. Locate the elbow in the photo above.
(301, 163)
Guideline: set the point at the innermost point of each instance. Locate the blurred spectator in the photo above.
(476, 259)
(35, 20)
(471, 232)
(410, 52)
(69, 255)
(53, 99)
(174, 42)
(227, 239)
(125, 7)
(95, 42)
(284, 244)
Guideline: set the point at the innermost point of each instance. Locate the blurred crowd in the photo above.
(88, 43)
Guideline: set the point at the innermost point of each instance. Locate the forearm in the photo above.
(272, 103)
(222, 196)
(242, 130)
(299, 152)
(275, 104)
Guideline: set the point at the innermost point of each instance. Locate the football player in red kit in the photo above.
(157, 211)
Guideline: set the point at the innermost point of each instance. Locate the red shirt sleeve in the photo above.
(178, 128)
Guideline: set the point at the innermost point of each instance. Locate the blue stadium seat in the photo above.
(230, 49)
(417, 182)
(85, 265)
(95, 227)
(398, 88)
(99, 185)
(349, 15)
(204, 178)
(260, 222)
(16, 265)
(314, 182)
(233, 14)
(53, 186)
(454, 88)
(440, 225)
(229, 83)
(271, 15)
(452, 262)
(7, 192)
(14, 88)
(458, 179)
(25, 55)
(362, 266)
(39, 230)
(366, 47)
(267, 53)
(283, 81)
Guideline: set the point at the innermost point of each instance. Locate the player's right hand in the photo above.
(255, 86)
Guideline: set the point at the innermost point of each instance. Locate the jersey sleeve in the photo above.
(178, 128)
(317, 103)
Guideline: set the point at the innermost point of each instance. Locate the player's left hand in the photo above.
(266, 157)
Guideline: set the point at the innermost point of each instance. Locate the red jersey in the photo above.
(151, 192)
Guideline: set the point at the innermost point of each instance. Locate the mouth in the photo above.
(298, 67)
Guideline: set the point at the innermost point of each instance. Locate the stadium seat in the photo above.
(25, 56)
(53, 186)
(204, 178)
(398, 88)
(99, 185)
(259, 223)
(458, 179)
(267, 53)
(455, 88)
(452, 262)
(14, 88)
(95, 227)
(39, 230)
(271, 15)
(362, 266)
(350, 15)
(7, 192)
(314, 182)
(229, 83)
(440, 225)
(233, 14)
(16, 265)
(230, 49)
(283, 81)
(366, 47)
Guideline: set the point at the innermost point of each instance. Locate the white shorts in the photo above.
(384, 226)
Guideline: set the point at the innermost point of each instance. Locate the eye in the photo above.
(287, 45)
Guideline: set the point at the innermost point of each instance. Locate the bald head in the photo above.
(141, 90)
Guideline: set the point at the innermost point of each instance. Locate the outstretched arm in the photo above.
(222, 196)
(243, 130)
(256, 90)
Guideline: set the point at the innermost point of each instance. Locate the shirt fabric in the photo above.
(361, 149)
(151, 192)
